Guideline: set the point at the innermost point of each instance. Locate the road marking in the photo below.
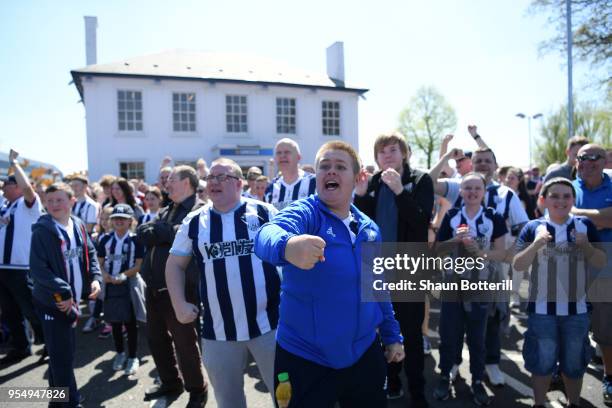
(518, 386)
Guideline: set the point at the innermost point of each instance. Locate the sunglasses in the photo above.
(220, 178)
(590, 157)
(200, 190)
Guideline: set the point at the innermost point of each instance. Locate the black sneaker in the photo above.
(442, 390)
(161, 390)
(197, 399)
(394, 388)
(43, 356)
(481, 398)
(14, 356)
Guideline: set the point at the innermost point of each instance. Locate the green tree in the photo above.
(426, 120)
(591, 27)
(590, 121)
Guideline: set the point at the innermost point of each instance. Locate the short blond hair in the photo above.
(342, 146)
(290, 142)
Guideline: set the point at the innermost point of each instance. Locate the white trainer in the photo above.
(496, 377)
(132, 366)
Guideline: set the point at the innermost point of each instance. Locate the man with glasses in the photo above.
(240, 293)
(594, 200)
(165, 333)
(21, 209)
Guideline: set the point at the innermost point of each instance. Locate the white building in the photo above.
(188, 104)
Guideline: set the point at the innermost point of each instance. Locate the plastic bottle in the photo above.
(283, 390)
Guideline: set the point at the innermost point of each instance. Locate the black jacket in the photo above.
(157, 236)
(414, 204)
(47, 262)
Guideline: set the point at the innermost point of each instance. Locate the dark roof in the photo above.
(212, 67)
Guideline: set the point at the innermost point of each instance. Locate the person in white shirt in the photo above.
(85, 207)
(21, 209)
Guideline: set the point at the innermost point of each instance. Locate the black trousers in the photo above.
(165, 335)
(410, 316)
(60, 342)
(16, 305)
(312, 385)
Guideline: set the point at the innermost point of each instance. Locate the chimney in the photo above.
(335, 63)
(91, 26)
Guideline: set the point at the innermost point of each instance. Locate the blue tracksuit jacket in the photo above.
(322, 318)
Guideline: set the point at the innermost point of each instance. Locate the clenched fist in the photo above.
(304, 251)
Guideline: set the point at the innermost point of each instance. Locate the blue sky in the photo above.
(481, 55)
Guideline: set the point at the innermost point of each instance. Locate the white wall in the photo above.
(107, 146)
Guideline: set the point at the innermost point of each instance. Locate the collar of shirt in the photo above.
(213, 209)
(570, 218)
(605, 183)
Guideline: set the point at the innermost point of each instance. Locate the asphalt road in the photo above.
(103, 387)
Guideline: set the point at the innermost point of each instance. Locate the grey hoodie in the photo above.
(47, 262)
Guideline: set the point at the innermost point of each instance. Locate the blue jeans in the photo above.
(454, 320)
(552, 339)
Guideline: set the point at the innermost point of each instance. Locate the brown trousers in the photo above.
(162, 331)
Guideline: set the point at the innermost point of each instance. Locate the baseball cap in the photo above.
(122, 211)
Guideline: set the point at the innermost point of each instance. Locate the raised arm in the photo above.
(473, 130)
(434, 172)
(22, 179)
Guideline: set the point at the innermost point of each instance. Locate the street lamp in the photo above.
(529, 117)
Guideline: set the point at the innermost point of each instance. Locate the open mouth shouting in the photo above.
(331, 185)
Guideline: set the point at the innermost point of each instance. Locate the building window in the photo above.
(130, 170)
(236, 113)
(331, 118)
(285, 115)
(129, 107)
(183, 112)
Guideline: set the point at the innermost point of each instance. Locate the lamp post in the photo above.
(529, 117)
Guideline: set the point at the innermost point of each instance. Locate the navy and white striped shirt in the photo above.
(240, 293)
(119, 254)
(558, 281)
(497, 196)
(485, 227)
(72, 251)
(148, 217)
(86, 209)
(281, 194)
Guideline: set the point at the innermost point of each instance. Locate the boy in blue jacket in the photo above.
(327, 337)
(62, 262)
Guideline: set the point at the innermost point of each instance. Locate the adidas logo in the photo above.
(47, 317)
(330, 231)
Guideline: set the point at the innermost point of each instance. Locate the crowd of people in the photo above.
(219, 266)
